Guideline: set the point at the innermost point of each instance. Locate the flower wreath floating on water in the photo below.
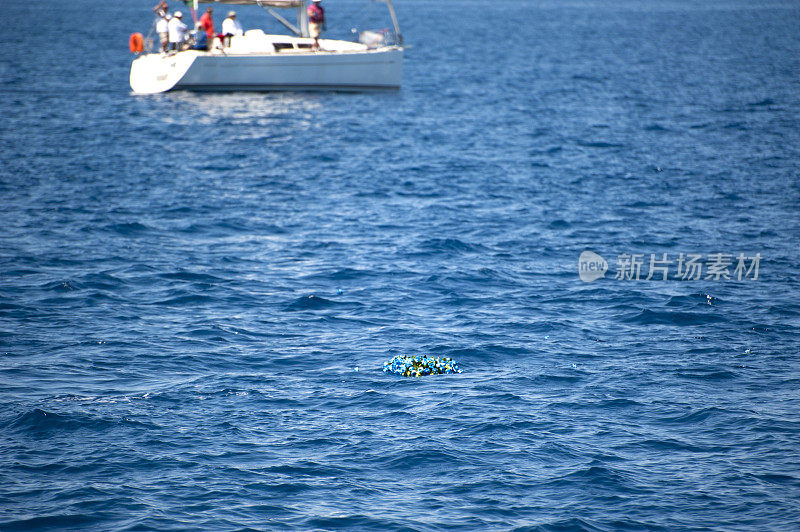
(408, 366)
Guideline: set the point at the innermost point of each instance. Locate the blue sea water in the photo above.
(198, 291)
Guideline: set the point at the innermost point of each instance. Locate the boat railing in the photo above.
(301, 27)
(393, 14)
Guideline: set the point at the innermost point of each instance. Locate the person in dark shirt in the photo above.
(200, 39)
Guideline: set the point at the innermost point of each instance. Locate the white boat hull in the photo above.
(380, 68)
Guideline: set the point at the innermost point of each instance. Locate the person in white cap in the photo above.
(316, 21)
(230, 28)
(177, 31)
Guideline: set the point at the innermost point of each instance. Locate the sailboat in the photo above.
(257, 61)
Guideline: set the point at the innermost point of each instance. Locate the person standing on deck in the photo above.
(316, 21)
(177, 31)
(162, 25)
(207, 24)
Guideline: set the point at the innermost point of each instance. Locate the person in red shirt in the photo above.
(207, 24)
(316, 21)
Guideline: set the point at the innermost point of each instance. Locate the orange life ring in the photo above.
(136, 43)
